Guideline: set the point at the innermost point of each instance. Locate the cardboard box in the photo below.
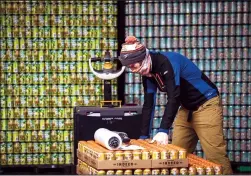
(132, 164)
(169, 163)
(114, 164)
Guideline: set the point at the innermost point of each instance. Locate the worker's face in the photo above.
(135, 67)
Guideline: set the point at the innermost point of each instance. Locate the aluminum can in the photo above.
(248, 133)
(61, 158)
(237, 145)
(230, 145)
(192, 170)
(119, 172)
(138, 172)
(236, 133)
(243, 145)
(230, 133)
(249, 157)
(128, 155)
(174, 171)
(182, 154)
(10, 148)
(145, 155)
(137, 155)
(10, 159)
(244, 156)
(16, 159)
(237, 156)
(173, 154)
(128, 172)
(183, 171)
(147, 172)
(119, 155)
(29, 159)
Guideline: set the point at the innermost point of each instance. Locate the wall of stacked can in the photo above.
(215, 35)
(45, 46)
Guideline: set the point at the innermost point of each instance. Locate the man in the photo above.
(192, 98)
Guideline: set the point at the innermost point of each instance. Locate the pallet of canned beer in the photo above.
(152, 156)
(200, 166)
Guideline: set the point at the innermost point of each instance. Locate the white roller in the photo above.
(106, 76)
(108, 139)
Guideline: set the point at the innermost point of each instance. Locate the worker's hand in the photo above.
(161, 138)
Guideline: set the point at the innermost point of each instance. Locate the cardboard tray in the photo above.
(132, 164)
(114, 164)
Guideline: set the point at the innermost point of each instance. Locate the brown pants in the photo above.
(207, 126)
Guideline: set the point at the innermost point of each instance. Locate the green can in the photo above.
(9, 103)
(29, 160)
(27, 136)
(71, 135)
(16, 147)
(61, 147)
(41, 147)
(9, 136)
(29, 124)
(15, 67)
(3, 116)
(22, 136)
(40, 135)
(29, 147)
(68, 159)
(54, 135)
(48, 158)
(61, 158)
(41, 158)
(23, 147)
(66, 136)
(35, 159)
(16, 43)
(35, 147)
(54, 158)
(2, 136)
(3, 148)
(15, 136)
(60, 135)
(36, 124)
(34, 136)
(47, 124)
(16, 125)
(16, 160)
(67, 147)
(54, 147)
(10, 159)
(46, 135)
(47, 147)
(42, 124)
(22, 159)
(3, 125)
(61, 124)
(3, 159)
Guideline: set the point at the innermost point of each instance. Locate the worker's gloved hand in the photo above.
(161, 138)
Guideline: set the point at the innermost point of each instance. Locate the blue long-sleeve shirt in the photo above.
(183, 82)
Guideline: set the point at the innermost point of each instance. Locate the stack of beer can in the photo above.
(44, 73)
(215, 35)
(151, 151)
